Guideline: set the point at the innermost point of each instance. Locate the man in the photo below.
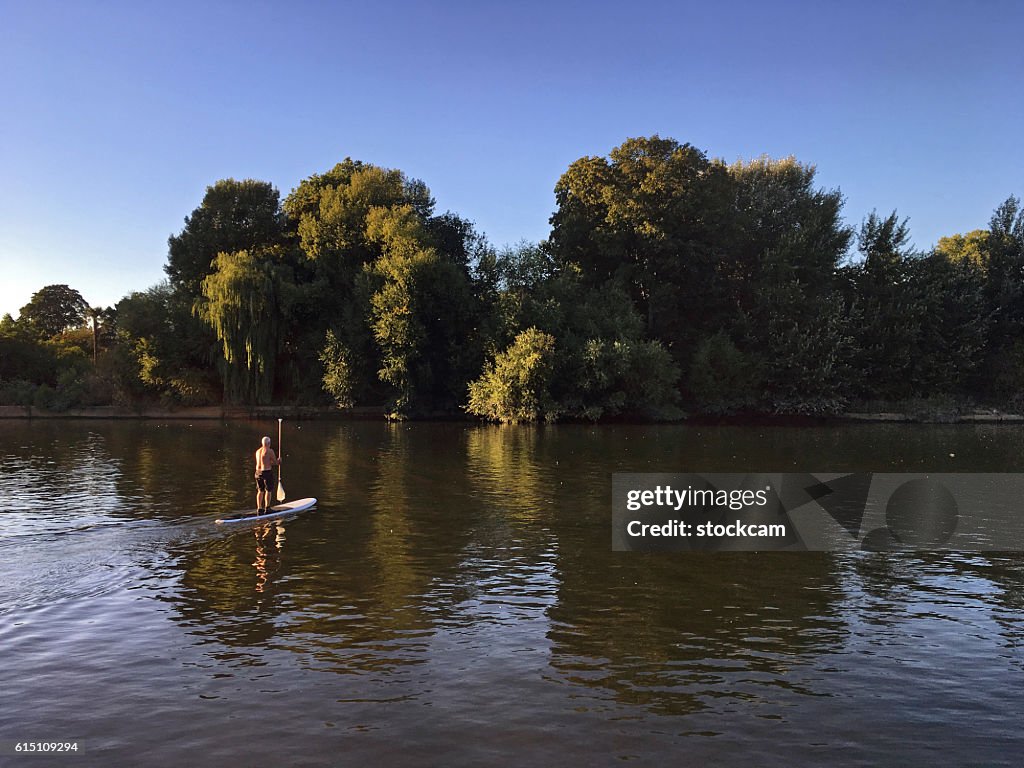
(266, 460)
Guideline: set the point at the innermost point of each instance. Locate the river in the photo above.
(453, 600)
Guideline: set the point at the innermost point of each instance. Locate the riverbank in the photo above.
(208, 413)
(377, 413)
(983, 417)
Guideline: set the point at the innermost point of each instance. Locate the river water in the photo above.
(453, 599)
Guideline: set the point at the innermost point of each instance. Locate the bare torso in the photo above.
(265, 459)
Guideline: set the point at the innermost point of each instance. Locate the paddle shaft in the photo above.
(280, 455)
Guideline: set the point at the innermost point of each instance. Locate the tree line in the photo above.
(669, 281)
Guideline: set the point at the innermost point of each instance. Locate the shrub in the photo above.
(722, 380)
(516, 386)
(339, 376)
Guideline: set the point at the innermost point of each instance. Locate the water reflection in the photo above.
(503, 470)
(459, 581)
(672, 635)
(270, 540)
(392, 540)
(72, 487)
(342, 458)
(934, 602)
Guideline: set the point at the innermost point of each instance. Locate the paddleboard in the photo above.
(288, 508)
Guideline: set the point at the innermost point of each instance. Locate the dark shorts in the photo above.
(265, 482)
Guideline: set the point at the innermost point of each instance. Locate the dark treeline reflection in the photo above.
(669, 280)
(672, 633)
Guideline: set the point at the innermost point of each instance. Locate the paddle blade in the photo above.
(280, 491)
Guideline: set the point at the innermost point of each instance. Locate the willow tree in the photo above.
(246, 300)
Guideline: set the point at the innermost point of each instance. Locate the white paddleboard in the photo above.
(288, 508)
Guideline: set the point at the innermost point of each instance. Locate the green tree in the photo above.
(890, 312)
(395, 313)
(783, 227)
(329, 213)
(923, 318)
(246, 301)
(391, 283)
(1006, 230)
(510, 284)
(419, 312)
(972, 247)
(515, 388)
(722, 379)
(24, 357)
(651, 217)
(168, 345)
(1004, 294)
(47, 372)
(694, 241)
(603, 365)
(100, 319)
(953, 324)
(801, 348)
(233, 216)
(55, 309)
(791, 325)
(338, 379)
(457, 239)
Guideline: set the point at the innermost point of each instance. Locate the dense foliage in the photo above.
(670, 281)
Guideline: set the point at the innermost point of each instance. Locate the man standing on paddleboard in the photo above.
(266, 460)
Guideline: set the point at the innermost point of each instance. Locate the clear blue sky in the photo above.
(115, 116)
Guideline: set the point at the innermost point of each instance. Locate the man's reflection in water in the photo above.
(269, 545)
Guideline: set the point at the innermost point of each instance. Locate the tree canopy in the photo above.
(55, 309)
(670, 280)
(233, 216)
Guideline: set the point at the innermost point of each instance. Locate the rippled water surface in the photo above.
(453, 600)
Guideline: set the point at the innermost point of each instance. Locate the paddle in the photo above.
(280, 454)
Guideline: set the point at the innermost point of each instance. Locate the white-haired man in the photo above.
(266, 460)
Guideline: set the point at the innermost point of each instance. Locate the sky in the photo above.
(116, 116)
